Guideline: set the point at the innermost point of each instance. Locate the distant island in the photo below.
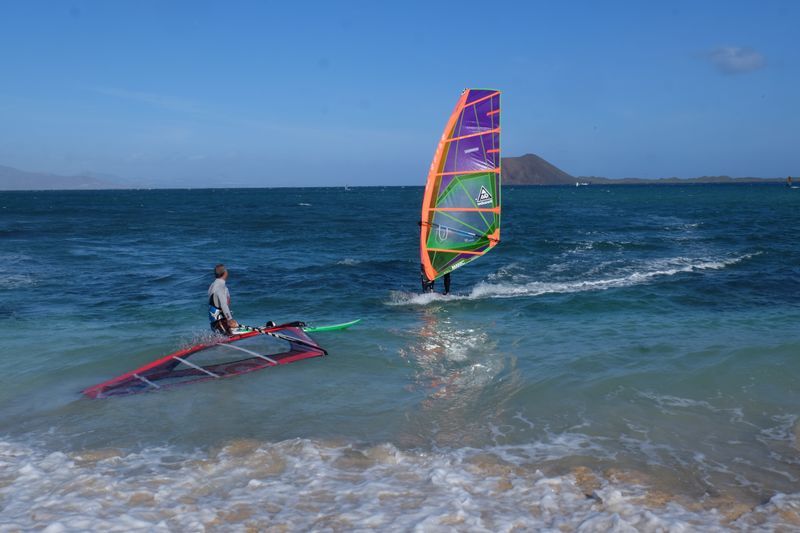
(12, 179)
(530, 169)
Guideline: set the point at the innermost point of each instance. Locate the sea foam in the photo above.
(630, 276)
(303, 484)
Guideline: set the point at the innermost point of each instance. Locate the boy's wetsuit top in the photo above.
(219, 300)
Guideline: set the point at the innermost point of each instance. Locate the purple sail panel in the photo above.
(495, 116)
(477, 94)
(470, 123)
(471, 154)
(480, 116)
(493, 140)
(464, 127)
(467, 257)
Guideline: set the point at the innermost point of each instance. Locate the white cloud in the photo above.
(155, 100)
(736, 60)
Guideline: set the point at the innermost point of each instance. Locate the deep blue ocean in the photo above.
(627, 356)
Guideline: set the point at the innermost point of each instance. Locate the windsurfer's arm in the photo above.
(226, 310)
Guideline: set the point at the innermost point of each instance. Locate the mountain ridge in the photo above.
(530, 169)
(14, 179)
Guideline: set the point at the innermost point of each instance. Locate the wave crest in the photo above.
(645, 274)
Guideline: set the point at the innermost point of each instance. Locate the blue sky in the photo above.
(174, 93)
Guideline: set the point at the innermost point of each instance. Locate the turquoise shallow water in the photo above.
(620, 342)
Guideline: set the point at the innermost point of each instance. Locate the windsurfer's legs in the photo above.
(427, 284)
(446, 283)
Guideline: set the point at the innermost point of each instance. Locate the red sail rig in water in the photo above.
(223, 358)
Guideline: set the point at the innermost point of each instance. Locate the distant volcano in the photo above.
(531, 169)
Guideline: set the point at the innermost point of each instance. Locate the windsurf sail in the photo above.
(224, 358)
(461, 206)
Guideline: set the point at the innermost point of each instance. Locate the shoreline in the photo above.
(302, 483)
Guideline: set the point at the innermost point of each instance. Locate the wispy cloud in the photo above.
(736, 60)
(153, 99)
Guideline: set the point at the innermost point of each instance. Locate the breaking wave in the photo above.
(500, 289)
(348, 261)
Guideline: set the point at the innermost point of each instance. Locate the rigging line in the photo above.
(483, 145)
(499, 181)
(471, 172)
(495, 210)
(460, 232)
(290, 339)
(473, 228)
(142, 378)
(489, 114)
(200, 368)
(470, 135)
(479, 235)
(454, 251)
(251, 352)
(287, 338)
(459, 125)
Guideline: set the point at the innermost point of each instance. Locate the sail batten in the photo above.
(463, 187)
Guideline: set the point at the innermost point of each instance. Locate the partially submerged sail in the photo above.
(224, 358)
(461, 207)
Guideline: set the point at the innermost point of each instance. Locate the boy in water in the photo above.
(219, 301)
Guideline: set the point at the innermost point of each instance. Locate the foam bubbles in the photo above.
(303, 484)
(630, 276)
(16, 281)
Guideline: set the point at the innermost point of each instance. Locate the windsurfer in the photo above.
(219, 301)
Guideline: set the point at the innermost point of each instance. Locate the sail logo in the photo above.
(484, 197)
(460, 263)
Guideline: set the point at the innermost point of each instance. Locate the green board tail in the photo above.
(331, 327)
